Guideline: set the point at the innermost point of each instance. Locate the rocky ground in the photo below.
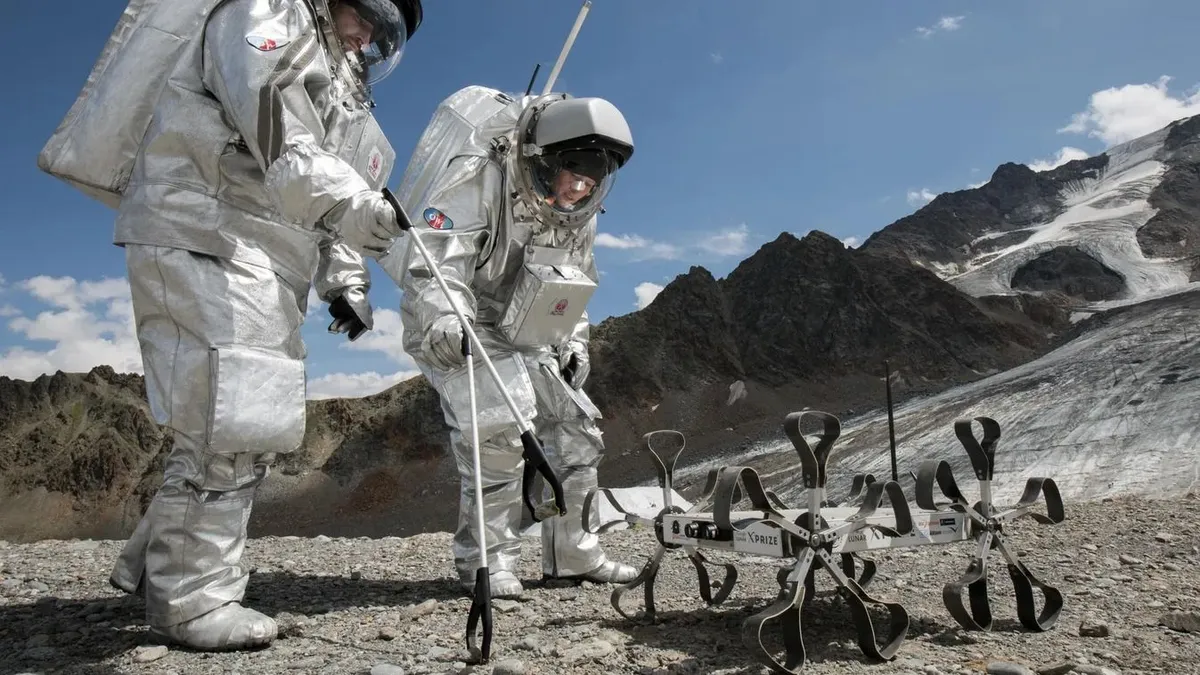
(1129, 569)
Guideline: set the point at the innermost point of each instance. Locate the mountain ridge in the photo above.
(801, 322)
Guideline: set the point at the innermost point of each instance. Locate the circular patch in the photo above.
(437, 220)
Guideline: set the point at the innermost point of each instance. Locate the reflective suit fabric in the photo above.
(480, 257)
(194, 312)
(223, 230)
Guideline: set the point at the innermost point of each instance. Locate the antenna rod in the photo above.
(562, 55)
(532, 79)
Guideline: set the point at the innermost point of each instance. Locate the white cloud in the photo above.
(355, 385)
(920, 197)
(850, 242)
(1120, 114)
(645, 248)
(89, 323)
(646, 292)
(946, 24)
(727, 242)
(717, 58)
(980, 184)
(1065, 154)
(731, 241)
(385, 338)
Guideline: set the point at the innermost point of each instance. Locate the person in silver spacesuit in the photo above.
(260, 172)
(512, 230)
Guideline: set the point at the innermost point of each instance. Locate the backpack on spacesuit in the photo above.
(94, 150)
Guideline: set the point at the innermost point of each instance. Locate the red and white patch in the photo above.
(265, 44)
(374, 163)
(560, 306)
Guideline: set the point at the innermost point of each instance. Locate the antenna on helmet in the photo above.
(532, 79)
(562, 55)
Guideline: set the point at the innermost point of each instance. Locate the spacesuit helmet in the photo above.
(375, 33)
(568, 153)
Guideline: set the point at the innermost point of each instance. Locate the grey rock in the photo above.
(1094, 629)
(1006, 668)
(150, 654)
(509, 667)
(386, 669)
(1186, 622)
(1061, 668)
(1127, 559)
(1091, 669)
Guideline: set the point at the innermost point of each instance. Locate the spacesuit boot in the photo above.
(501, 464)
(184, 556)
(569, 551)
(129, 571)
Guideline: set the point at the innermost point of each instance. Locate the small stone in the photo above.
(386, 669)
(85, 545)
(1186, 622)
(509, 667)
(39, 587)
(436, 653)
(39, 640)
(1164, 537)
(322, 538)
(310, 663)
(1091, 669)
(1006, 668)
(505, 606)
(1122, 578)
(1090, 547)
(1057, 669)
(40, 653)
(1155, 604)
(1094, 629)
(388, 633)
(149, 654)
(529, 642)
(1170, 567)
(355, 575)
(422, 609)
(1127, 559)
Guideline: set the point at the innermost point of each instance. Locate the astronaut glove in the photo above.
(366, 221)
(443, 342)
(351, 312)
(574, 363)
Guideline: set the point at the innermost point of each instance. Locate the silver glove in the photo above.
(574, 363)
(366, 221)
(443, 342)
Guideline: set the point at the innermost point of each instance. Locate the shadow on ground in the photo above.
(78, 636)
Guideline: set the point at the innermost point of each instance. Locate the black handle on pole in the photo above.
(887, 379)
(401, 215)
(481, 608)
(535, 462)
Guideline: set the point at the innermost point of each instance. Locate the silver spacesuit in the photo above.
(260, 169)
(511, 222)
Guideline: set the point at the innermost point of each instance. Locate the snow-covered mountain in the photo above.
(1111, 410)
(1109, 230)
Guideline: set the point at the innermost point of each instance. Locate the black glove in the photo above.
(351, 313)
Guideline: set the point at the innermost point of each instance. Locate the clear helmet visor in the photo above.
(375, 36)
(573, 182)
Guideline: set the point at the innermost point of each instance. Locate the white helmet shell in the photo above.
(566, 156)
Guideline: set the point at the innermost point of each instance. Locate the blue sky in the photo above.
(782, 116)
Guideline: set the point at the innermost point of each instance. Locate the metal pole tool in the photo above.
(534, 455)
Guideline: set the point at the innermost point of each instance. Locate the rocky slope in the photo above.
(1129, 571)
(800, 322)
